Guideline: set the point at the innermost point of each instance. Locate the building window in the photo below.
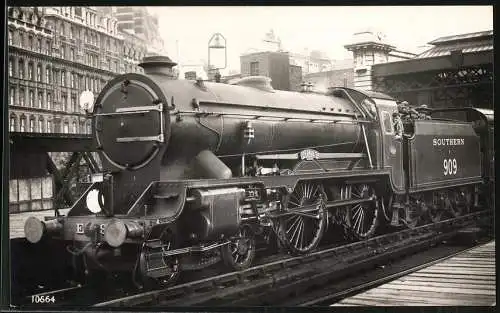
(40, 100)
(32, 125)
(73, 104)
(47, 47)
(40, 126)
(39, 73)
(21, 40)
(72, 56)
(359, 60)
(21, 97)
(254, 68)
(11, 36)
(64, 103)
(12, 123)
(63, 78)
(32, 98)
(63, 51)
(49, 127)
(72, 80)
(30, 42)
(21, 69)
(49, 101)
(30, 71)
(11, 67)
(74, 127)
(12, 96)
(23, 124)
(39, 45)
(71, 30)
(47, 75)
(66, 128)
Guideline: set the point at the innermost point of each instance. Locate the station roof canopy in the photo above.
(467, 43)
(448, 53)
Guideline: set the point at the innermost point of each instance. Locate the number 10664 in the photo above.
(43, 299)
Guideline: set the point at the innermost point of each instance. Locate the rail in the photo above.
(279, 278)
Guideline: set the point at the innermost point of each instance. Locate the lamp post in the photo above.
(217, 41)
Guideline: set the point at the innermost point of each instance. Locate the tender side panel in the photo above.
(443, 153)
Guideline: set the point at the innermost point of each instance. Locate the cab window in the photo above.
(387, 121)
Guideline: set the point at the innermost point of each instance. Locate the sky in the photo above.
(187, 30)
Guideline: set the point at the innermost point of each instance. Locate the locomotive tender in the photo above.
(195, 172)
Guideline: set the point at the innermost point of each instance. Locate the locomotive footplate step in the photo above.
(466, 279)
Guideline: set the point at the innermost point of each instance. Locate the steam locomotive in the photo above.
(197, 172)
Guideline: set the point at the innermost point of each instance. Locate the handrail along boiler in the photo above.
(196, 172)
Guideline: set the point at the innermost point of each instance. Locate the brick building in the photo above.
(275, 65)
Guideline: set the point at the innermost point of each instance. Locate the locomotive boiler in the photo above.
(195, 172)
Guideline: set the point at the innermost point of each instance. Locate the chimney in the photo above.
(158, 65)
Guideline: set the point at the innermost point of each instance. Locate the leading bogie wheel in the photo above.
(240, 252)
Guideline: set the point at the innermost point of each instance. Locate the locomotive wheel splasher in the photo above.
(302, 227)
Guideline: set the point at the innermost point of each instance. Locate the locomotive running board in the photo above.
(318, 156)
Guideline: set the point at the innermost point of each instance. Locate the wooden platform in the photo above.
(16, 220)
(467, 279)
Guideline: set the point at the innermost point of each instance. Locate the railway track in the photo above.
(276, 281)
(361, 282)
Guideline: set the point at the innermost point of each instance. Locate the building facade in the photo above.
(321, 81)
(54, 54)
(370, 48)
(136, 20)
(313, 62)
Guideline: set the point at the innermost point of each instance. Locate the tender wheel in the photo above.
(239, 254)
(304, 220)
(435, 211)
(461, 202)
(362, 218)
